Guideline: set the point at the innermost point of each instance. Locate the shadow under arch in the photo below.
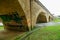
(49, 18)
(14, 18)
(14, 22)
(41, 18)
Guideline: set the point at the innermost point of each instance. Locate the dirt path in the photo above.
(8, 35)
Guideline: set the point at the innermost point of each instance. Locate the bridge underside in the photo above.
(17, 15)
(12, 15)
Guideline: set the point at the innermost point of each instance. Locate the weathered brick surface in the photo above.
(22, 14)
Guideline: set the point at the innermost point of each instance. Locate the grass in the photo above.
(1, 27)
(46, 33)
(56, 20)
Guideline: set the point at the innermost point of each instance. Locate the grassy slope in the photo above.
(46, 33)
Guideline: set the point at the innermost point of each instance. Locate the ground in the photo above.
(45, 31)
(5, 35)
(9, 35)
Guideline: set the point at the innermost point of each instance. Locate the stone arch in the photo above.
(13, 16)
(49, 18)
(41, 18)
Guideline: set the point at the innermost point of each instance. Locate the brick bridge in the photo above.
(22, 15)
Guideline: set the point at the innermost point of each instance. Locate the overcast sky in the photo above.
(52, 5)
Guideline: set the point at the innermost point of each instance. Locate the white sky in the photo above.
(52, 5)
(1, 23)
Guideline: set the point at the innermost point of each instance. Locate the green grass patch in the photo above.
(46, 33)
(56, 20)
(1, 27)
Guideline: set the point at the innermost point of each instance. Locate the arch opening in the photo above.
(14, 22)
(41, 18)
(49, 18)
